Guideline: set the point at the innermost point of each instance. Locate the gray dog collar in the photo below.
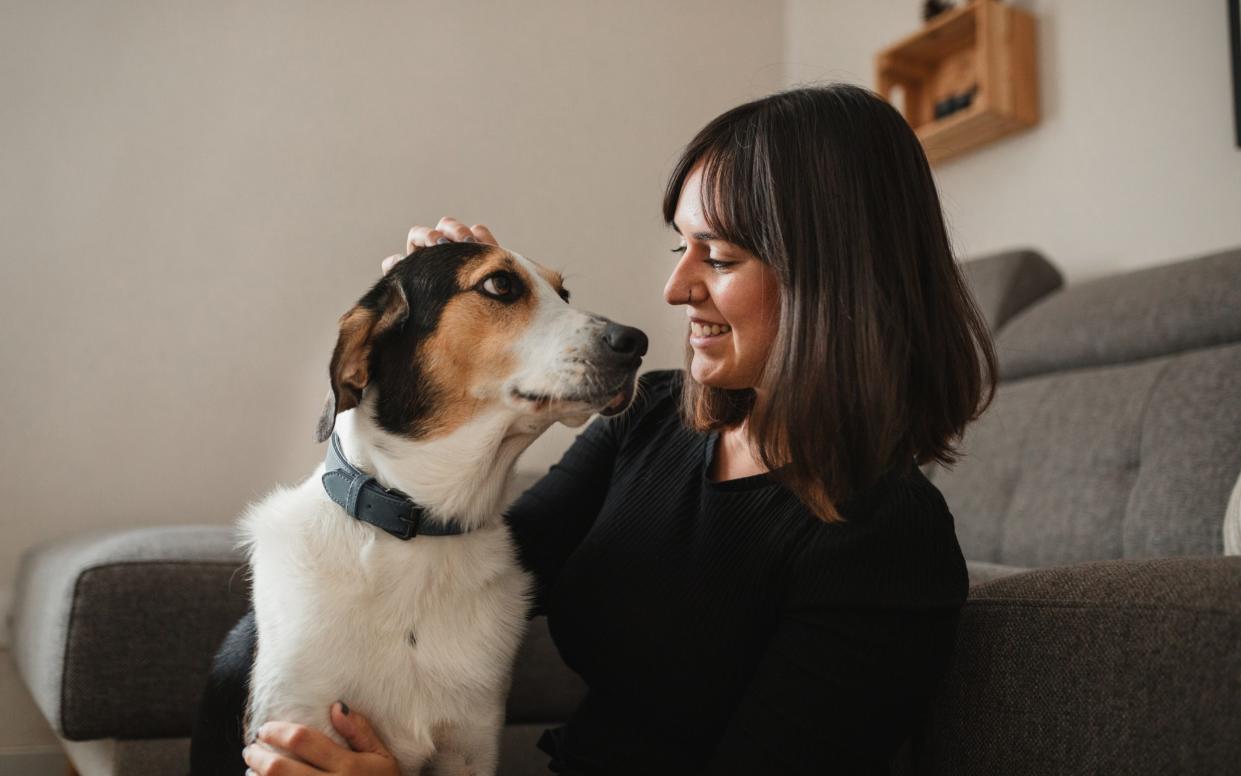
(365, 499)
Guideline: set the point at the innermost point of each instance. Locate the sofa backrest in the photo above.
(1006, 282)
(1116, 427)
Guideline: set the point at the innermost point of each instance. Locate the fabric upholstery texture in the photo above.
(1127, 317)
(1007, 282)
(114, 631)
(1123, 461)
(1107, 667)
(519, 755)
(981, 571)
(113, 757)
(1086, 456)
(544, 690)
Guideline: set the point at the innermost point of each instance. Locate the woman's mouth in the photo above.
(706, 332)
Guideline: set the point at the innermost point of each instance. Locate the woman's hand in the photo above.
(315, 753)
(448, 229)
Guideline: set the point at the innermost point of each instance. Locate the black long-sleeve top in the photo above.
(720, 626)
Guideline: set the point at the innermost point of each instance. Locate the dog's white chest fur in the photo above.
(420, 635)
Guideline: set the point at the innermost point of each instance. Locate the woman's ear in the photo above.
(383, 307)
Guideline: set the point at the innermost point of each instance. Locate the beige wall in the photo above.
(1135, 162)
(192, 195)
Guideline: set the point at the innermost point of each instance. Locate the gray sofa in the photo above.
(1103, 629)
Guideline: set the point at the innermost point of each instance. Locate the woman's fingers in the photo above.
(390, 262)
(265, 762)
(455, 230)
(484, 234)
(305, 743)
(357, 730)
(449, 229)
(422, 237)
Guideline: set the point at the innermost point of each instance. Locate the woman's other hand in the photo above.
(315, 753)
(448, 229)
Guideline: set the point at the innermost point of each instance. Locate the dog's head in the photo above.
(459, 328)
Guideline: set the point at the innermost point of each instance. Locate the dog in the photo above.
(442, 374)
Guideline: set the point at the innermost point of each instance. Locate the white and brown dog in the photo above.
(449, 367)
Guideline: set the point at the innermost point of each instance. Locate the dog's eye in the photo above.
(502, 285)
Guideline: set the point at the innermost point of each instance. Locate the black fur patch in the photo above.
(216, 743)
(430, 282)
(429, 278)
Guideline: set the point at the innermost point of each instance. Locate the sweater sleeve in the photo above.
(847, 673)
(551, 518)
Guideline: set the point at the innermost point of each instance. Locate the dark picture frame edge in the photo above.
(1234, 35)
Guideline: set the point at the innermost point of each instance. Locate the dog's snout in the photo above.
(625, 340)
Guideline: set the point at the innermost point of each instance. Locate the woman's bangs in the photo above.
(726, 211)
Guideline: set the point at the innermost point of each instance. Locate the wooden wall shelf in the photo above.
(985, 48)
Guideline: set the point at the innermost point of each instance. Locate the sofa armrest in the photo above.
(114, 631)
(1106, 667)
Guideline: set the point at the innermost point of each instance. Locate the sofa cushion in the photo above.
(1127, 317)
(544, 689)
(981, 571)
(519, 753)
(1108, 667)
(113, 757)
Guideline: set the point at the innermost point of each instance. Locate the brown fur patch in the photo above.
(349, 371)
(471, 350)
(358, 328)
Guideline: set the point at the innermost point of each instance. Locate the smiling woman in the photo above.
(815, 231)
(767, 498)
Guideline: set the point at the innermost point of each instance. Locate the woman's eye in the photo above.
(715, 264)
(500, 285)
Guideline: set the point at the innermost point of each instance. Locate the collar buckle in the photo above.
(409, 521)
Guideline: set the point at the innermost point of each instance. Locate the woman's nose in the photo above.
(680, 286)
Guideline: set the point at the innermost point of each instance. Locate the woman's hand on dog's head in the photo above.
(448, 229)
(315, 753)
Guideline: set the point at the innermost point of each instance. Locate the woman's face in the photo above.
(731, 297)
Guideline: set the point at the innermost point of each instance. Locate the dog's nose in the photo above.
(625, 340)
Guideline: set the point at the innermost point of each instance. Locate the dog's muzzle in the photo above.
(624, 348)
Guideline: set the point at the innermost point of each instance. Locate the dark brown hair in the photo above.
(882, 355)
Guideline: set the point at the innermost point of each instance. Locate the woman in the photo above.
(748, 567)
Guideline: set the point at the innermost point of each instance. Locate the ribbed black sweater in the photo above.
(720, 626)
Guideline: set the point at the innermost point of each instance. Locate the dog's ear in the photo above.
(385, 306)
